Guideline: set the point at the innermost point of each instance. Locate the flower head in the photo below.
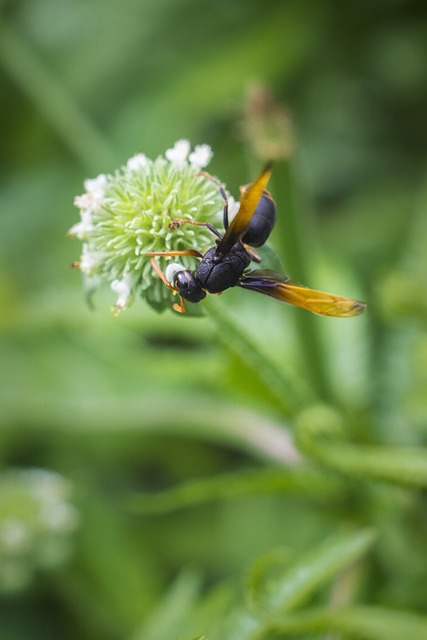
(134, 211)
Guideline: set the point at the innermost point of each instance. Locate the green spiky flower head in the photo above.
(125, 215)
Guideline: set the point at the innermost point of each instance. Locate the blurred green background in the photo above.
(144, 403)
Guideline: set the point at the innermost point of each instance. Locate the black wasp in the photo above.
(225, 265)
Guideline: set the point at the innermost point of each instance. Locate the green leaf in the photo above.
(357, 623)
(297, 481)
(320, 431)
(402, 466)
(306, 574)
(172, 611)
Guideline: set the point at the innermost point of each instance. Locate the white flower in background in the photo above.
(59, 516)
(129, 213)
(37, 525)
(15, 535)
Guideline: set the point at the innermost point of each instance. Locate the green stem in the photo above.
(293, 239)
(290, 391)
(54, 102)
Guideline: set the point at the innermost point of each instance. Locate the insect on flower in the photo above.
(129, 212)
(225, 264)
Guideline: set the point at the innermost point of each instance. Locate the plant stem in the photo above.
(54, 102)
(294, 233)
(290, 391)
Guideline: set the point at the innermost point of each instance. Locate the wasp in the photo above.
(226, 264)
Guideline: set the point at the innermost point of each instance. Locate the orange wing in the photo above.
(282, 288)
(248, 204)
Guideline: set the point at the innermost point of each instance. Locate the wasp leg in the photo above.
(255, 257)
(207, 175)
(223, 194)
(161, 275)
(170, 254)
(177, 222)
(180, 308)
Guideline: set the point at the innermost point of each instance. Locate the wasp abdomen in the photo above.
(262, 222)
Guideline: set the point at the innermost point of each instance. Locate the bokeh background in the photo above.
(101, 408)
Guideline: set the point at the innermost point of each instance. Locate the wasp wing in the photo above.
(248, 204)
(284, 289)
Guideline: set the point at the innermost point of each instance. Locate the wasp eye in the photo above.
(188, 287)
(183, 280)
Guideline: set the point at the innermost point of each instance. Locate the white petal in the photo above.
(82, 229)
(96, 186)
(137, 162)
(89, 260)
(123, 288)
(179, 153)
(76, 231)
(201, 156)
(84, 201)
(88, 201)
